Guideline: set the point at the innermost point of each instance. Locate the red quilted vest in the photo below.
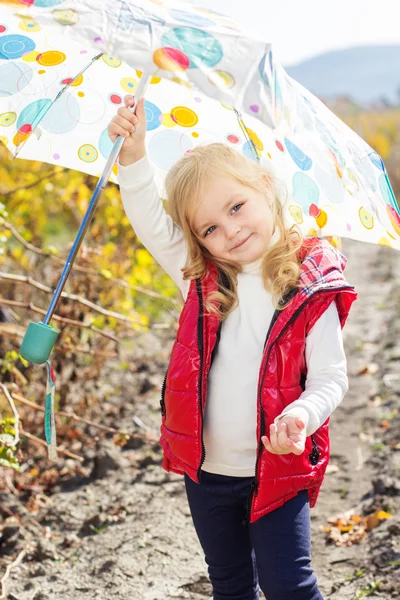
(282, 377)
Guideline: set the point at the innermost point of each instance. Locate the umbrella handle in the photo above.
(40, 337)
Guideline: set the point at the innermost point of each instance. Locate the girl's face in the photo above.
(234, 222)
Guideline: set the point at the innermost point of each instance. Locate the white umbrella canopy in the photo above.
(206, 73)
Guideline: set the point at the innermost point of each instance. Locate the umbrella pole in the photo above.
(40, 337)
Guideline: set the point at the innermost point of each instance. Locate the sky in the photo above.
(299, 29)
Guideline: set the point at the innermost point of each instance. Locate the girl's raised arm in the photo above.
(142, 204)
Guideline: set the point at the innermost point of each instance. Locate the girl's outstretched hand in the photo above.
(289, 435)
(132, 127)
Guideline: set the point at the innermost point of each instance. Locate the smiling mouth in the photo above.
(242, 242)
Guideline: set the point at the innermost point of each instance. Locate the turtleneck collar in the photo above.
(254, 267)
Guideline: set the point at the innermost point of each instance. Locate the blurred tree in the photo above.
(115, 290)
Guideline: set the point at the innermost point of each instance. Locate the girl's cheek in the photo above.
(207, 243)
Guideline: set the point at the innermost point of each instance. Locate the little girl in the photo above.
(258, 364)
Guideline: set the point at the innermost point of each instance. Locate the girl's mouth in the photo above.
(242, 242)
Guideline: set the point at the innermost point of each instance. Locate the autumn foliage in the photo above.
(115, 291)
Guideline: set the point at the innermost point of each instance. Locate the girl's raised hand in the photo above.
(289, 435)
(132, 127)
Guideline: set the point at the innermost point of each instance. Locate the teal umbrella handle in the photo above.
(38, 342)
(40, 337)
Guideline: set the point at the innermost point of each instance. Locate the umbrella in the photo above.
(64, 67)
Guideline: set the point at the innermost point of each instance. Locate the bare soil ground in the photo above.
(120, 528)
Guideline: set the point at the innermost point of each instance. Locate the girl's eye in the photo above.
(209, 230)
(235, 209)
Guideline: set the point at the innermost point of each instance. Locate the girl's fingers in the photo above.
(140, 112)
(266, 443)
(119, 126)
(300, 423)
(124, 123)
(279, 446)
(126, 114)
(129, 100)
(280, 443)
(268, 446)
(273, 438)
(116, 131)
(282, 435)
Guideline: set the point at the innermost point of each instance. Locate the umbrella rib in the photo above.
(246, 134)
(45, 109)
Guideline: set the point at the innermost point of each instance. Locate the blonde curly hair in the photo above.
(185, 185)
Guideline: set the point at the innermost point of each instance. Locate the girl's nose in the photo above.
(232, 231)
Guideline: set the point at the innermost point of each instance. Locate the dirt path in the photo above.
(369, 270)
(126, 534)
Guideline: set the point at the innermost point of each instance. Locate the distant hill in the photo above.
(368, 74)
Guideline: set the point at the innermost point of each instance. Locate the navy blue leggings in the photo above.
(273, 553)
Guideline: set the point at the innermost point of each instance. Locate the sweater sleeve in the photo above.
(153, 226)
(326, 382)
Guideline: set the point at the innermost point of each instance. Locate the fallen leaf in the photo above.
(356, 518)
(332, 469)
(372, 521)
(375, 402)
(369, 369)
(381, 514)
(349, 530)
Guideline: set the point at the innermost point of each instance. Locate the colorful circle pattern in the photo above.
(184, 116)
(47, 3)
(111, 61)
(250, 151)
(128, 84)
(305, 191)
(167, 146)
(367, 220)
(7, 119)
(376, 160)
(222, 79)
(301, 159)
(88, 153)
(199, 46)
(29, 25)
(105, 144)
(171, 59)
(153, 116)
(15, 45)
(63, 116)
(115, 99)
(14, 77)
(51, 58)
(66, 17)
(30, 114)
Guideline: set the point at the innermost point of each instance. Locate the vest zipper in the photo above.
(200, 343)
(162, 401)
(314, 456)
(315, 453)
